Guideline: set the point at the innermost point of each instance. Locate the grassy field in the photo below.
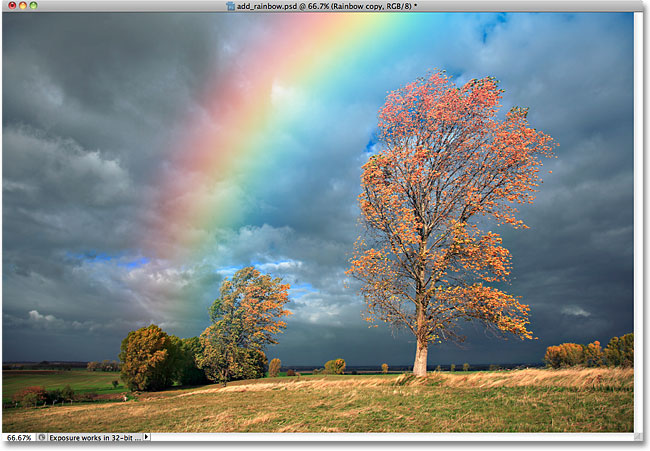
(81, 381)
(531, 400)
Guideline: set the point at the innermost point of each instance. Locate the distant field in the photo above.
(81, 381)
(532, 400)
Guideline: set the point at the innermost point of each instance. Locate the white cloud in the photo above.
(575, 310)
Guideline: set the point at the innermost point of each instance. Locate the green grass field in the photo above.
(587, 400)
(81, 381)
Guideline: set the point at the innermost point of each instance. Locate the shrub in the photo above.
(30, 396)
(274, 367)
(452, 368)
(384, 368)
(465, 366)
(354, 372)
(67, 393)
(93, 366)
(291, 373)
(336, 366)
(494, 367)
(438, 368)
(620, 351)
(318, 371)
(115, 383)
(54, 396)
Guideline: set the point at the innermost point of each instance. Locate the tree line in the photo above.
(619, 352)
(104, 365)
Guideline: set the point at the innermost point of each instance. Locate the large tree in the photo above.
(447, 165)
(149, 359)
(245, 318)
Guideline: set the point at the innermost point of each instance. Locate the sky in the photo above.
(146, 157)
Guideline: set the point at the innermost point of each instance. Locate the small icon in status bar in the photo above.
(22, 5)
(33, 5)
(12, 5)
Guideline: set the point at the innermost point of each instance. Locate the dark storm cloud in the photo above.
(92, 103)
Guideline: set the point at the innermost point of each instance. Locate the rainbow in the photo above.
(224, 142)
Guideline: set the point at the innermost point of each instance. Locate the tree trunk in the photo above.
(420, 365)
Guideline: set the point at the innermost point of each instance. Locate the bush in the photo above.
(67, 393)
(54, 396)
(384, 368)
(336, 366)
(452, 368)
(354, 372)
(438, 368)
(318, 371)
(465, 366)
(620, 351)
(115, 383)
(274, 367)
(291, 373)
(494, 367)
(30, 396)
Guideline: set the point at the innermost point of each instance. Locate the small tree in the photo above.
(93, 366)
(67, 393)
(465, 366)
(274, 367)
(452, 368)
(115, 383)
(620, 351)
(384, 368)
(336, 366)
(149, 359)
(564, 355)
(592, 354)
(54, 396)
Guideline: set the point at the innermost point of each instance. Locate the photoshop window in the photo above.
(350, 221)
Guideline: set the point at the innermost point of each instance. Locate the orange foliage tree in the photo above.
(564, 355)
(244, 318)
(446, 160)
(149, 359)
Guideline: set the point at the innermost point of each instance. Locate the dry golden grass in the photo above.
(509, 401)
(581, 378)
